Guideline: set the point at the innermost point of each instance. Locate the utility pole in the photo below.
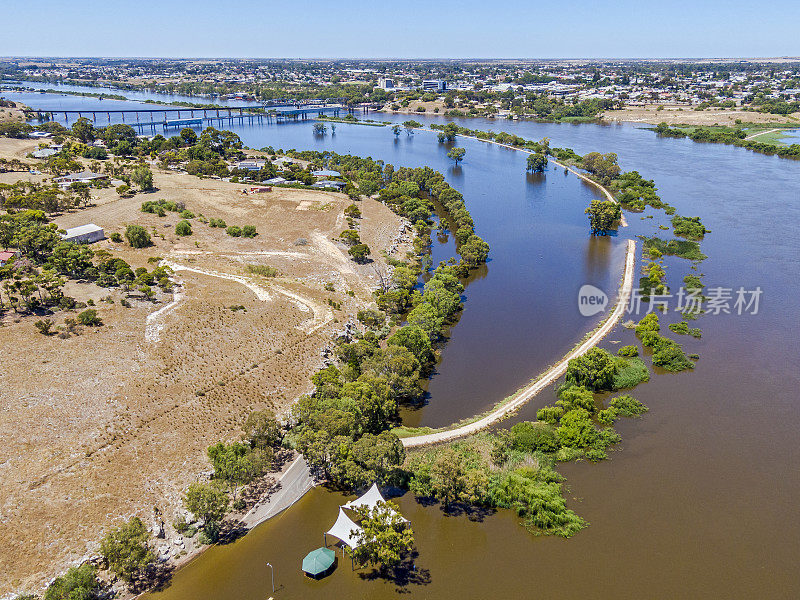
(272, 570)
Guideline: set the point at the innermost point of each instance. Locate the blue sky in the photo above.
(411, 29)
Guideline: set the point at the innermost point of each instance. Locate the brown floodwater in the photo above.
(699, 500)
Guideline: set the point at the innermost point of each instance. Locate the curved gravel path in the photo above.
(548, 377)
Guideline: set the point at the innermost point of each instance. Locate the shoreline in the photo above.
(521, 397)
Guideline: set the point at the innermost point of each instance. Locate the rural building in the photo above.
(85, 234)
(326, 173)
(46, 152)
(251, 164)
(329, 185)
(82, 177)
(276, 180)
(6, 256)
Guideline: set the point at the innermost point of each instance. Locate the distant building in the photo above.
(276, 180)
(46, 152)
(251, 164)
(438, 85)
(41, 134)
(82, 177)
(6, 256)
(326, 173)
(85, 234)
(387, 84)
(330, 185)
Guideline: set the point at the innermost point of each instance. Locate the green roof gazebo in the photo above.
(319, 563)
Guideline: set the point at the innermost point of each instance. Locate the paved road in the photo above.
(294, 483)
(548, 377)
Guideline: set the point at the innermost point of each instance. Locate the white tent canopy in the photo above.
(370, 499)
(345, 530)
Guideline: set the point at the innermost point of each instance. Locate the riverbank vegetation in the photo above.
(735, 136)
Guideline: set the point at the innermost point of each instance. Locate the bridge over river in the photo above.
(153, 118)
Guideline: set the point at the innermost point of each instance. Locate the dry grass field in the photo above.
(11, 114)
(671, 115)
(115, 421)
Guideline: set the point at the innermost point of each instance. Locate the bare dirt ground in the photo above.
(11, 114)
(111, 423)
(411, 109)
(671, 115)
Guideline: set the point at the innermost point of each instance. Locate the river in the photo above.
(699, 501)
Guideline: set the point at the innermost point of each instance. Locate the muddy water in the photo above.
(700, 500)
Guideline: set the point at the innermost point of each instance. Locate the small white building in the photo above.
(85, 234)
(253, 164)
(82, 177)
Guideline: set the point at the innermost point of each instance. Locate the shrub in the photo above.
(550, 414)
(249, 231)
(116, 237)
(594, 370)
(263, 270)
(187, 214)
(689, 227)
(137, 236)
(630, 373)
(672, 358)
(352, 211)
(649, 323)
(183, 228)
(234, 231)
(124, 190)
(350, 237)
(359, 252)
(627, 406)
(628, 351)
(687, 249)
(217, 223)
(528, 437)
(90, 318)
(78, 583)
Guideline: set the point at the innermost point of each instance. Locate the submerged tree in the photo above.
(602, 216)
(456, 154)
(384, 538)
(537, 163)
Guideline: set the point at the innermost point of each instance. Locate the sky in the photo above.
(410, 29)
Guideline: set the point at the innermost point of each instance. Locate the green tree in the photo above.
(183, 228)
(78, 583)
(359, 252)
(594, 370)
(537, 162)
(142, 176)
(126, 550)
(83, 130)
(238, 464)
(207, 502)
(396, 130)
(90, 318)
(385, 538)
(456, 154)
(137, 236)
(262, 430)
(602, 216)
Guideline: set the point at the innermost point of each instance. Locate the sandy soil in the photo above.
(111, 423)
(711, 116)
(414, 104)
(11, 114)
